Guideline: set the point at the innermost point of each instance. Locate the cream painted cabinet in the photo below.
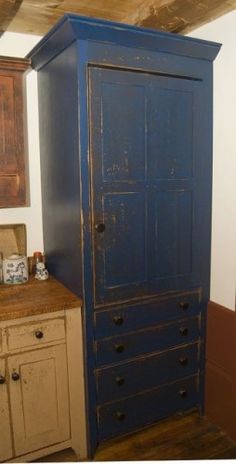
(39, 398)
(42, 393)
(5, 428)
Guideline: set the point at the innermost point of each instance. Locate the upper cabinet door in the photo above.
(145, 175)
(12, 133)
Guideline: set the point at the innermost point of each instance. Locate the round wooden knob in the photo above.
(184, 305)
(2, 379)
(120, 415)
(118, 320)
(183, 393)
(183, 331)
(15, 376)
(39, 334)
(100, 228)
(120, 381)
(119, 348)
(183, 361)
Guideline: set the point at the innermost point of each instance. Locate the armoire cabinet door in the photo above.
(144, 183)
(13, 171)
(5, 430)
(39, 398)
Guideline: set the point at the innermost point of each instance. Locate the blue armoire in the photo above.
(126, 158)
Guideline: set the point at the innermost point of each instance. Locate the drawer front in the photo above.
(126, 319)
(135, 412)
(35, 334)
(117, 349)
(147, 372)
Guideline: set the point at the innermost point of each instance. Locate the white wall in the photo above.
(223, 275)
(19, 45)
(223, 270)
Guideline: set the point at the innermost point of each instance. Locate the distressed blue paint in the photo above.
(125, 124)
(147, 407)
(142, 142)
(145, 373)
(145, 314)
(73, 27)
(147, 341)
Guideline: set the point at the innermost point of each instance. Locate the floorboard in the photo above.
(178, 438)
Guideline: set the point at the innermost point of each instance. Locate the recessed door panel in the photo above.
(143, 157)
(170, 133)
(124, 239)
(171, 234)
(120, 141)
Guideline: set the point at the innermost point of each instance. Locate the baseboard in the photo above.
(220, 397)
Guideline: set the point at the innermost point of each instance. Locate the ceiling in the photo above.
(37, 17)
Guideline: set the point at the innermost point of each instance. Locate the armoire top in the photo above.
(72, 27)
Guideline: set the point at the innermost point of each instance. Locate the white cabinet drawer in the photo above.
(35, 334)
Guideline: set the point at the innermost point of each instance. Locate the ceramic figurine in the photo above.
(41, 271)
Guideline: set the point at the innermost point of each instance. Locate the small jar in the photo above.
(37, 258)
(1, 267)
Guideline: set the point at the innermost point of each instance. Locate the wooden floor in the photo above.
(181, 437)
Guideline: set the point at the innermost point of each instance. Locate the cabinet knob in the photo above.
(120, 415)
(38, 334)
(183, 331)
(184, 305)
(100, 227)
(118, 320)
(183, 361)
(183, 393)
(15, 376)
(119, 348)
(2, 379)
(120, 381)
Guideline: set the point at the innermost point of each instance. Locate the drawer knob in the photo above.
(183, 331)
(183, 361)
(120, 415)
(15, 376)
(183, 393)
(100, 228)
(120, 381)
(118, 320)
(2, 379)
(39, 334)
(119, 348)
(184, 305)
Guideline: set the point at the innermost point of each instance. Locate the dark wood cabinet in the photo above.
(126, 155)
(13, 166)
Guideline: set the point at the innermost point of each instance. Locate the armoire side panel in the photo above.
(60, 169)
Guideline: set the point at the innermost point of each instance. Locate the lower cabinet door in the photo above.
(39, 398)
(5, 430)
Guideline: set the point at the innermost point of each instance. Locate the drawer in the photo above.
(134, 317)
(117, 349)
(35, 334)
(147, 372)
(146, 408)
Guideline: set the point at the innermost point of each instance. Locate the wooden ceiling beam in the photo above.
(179, 15)
(8, 10)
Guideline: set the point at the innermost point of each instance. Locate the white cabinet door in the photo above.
(39, 398)
(5, 430)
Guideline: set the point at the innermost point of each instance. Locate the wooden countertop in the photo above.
(35, 297)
